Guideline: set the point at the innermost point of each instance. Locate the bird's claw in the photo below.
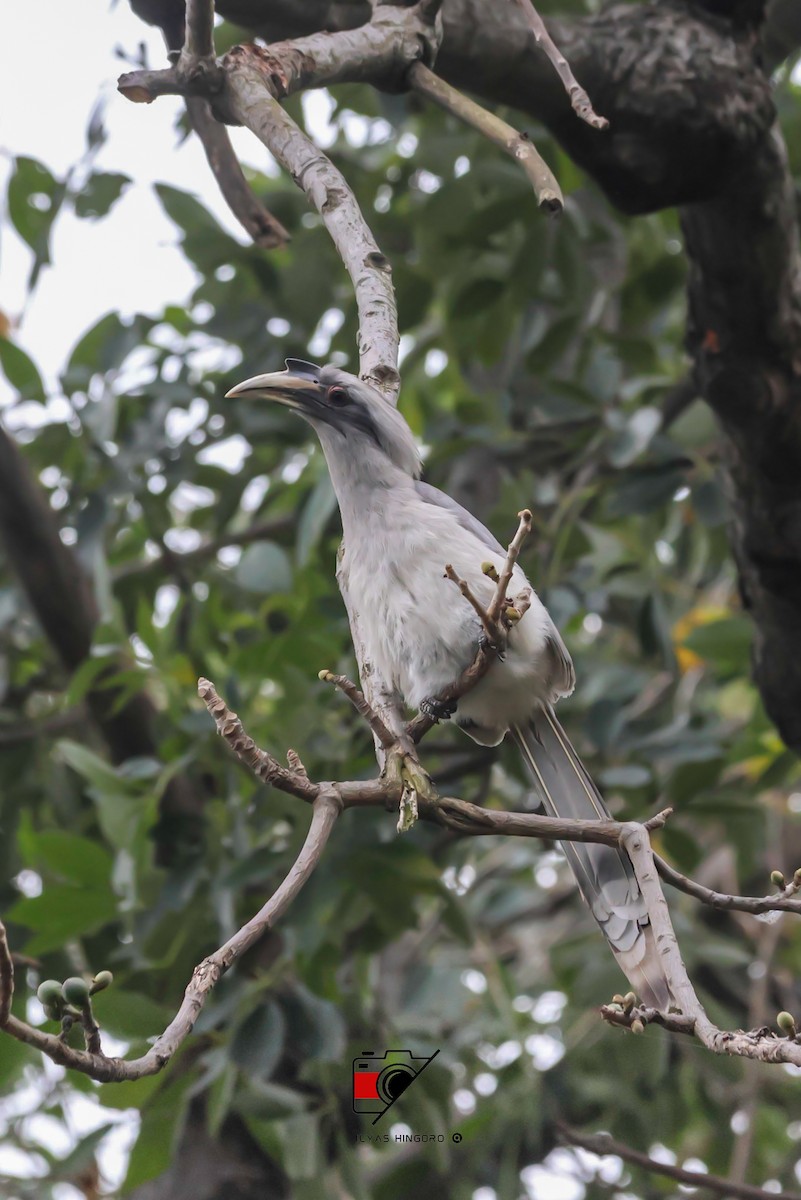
(437, 710)
(486, 643)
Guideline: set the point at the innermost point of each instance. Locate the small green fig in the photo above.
(49, 994)
(75, 991)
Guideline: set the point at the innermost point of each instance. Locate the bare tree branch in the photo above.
(206, 975)
(578, 97)
(328, 192)
(517, 145)
(6, 977)
(787, 900)
(602, 1143)
(359, 701)
(265, 229)
(266, 768)
(171, 560)
(199, 37)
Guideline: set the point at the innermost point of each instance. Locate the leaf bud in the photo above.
(777, 877)
(786, 1023)
(637, 1026)
(102, 979)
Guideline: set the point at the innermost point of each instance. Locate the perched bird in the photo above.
(398, 534)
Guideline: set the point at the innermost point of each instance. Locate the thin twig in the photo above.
(787, 900)
(498, 602)
(489, 626)
(578, 97)
(206, 975)
(173, 560)
(263, 765)
(6, 977)
(517, 145)
(260, 224)
(359, 701)
(602, 1143)
(495, 627)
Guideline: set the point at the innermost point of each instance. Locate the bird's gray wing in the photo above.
(432, 495)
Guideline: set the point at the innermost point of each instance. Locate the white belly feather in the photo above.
(420, 631)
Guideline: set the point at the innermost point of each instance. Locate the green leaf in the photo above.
(264, 568)
(130, 1015)
(161, 1124)
(63, 912)
(34, 199)
(100, 192)
(71, 857)
(725, 643)
(258, 1043)
(314, 517)
(21, 372)
(300, 1137)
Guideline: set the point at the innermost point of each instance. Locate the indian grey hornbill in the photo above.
(398, 533)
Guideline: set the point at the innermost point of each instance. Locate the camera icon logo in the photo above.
(379, 1079)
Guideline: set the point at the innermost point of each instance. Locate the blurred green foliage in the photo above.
(537, 356)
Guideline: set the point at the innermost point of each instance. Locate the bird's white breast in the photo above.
(419, 630)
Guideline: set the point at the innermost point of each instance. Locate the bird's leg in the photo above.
(438, 710)
(487, 646)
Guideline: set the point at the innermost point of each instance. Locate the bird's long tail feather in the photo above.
(605, 876)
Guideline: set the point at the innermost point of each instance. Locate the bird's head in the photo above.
(353, 421)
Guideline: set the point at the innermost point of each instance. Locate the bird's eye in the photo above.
(338, 396)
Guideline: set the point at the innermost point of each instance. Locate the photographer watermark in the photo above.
(379, 1079)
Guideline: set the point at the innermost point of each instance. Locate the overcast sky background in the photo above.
(130, 260)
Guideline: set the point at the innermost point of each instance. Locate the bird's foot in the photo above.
(486, 643)
(437, 710)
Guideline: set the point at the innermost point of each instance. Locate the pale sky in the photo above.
(128, 261)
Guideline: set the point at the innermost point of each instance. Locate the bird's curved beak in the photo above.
(299, 391)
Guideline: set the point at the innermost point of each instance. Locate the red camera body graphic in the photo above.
(379, 1079)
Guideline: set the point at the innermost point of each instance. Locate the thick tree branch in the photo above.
(602, 1143)
(199, 36)
(328, 192)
